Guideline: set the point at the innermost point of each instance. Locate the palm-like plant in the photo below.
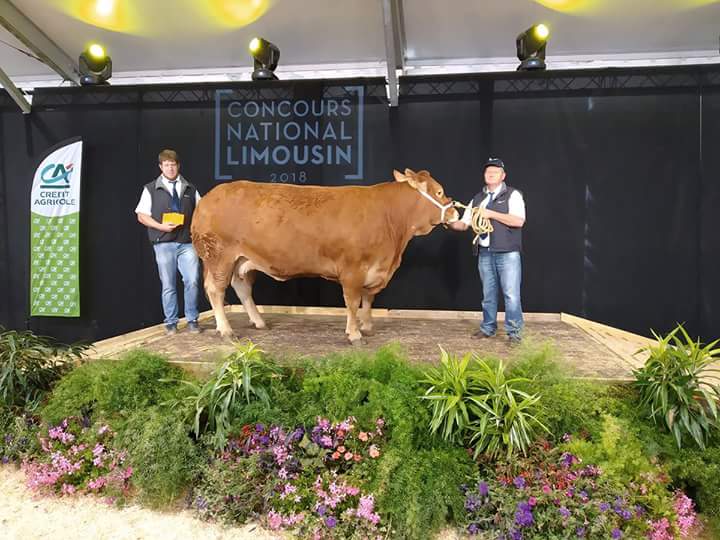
(472, 400)
(242, 377)
(449, 391)
(30, 364)
(676, 385)
(504, 416)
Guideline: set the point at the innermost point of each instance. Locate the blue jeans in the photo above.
(171, 257)
(503, 270)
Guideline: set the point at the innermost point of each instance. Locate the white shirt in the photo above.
(145, 204)
(516, 207)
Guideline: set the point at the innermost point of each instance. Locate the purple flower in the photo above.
(331, 522)
(564, 512)
(321, 510)
(483, 489)
(604, 507)
(259, 428)
(567, 459)
(472, 503)
(326, 441)
(616, 533)
(472, 528)
(581, 532)
(516, 534)
(519, 482)
(523, 515)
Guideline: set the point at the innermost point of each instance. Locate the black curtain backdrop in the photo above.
(618, 169)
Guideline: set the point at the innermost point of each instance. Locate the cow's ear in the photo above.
(409, 172)
(420, 185)
(400, 177)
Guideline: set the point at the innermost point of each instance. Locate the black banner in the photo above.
(621, 185)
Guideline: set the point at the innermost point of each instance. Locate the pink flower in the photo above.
(546, 489)
(68, 489)
(348, 456)
(341, 449)
(97, 484)
(363, 436)
(373, 451)
(274, 520)
(357, 458)
(336, 455)
(532, 501)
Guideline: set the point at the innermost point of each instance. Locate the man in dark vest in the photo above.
(498, 252)
(166, 208)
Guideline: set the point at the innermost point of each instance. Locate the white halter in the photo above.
(443, 207)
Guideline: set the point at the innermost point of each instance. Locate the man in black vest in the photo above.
(170, 193)
(498, 252)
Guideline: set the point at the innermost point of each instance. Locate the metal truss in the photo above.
(499, 86)
(203, 95)
(554, 82)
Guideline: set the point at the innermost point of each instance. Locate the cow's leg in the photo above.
(352, 296)
(217, 277)
(366, 324)
(242, 283)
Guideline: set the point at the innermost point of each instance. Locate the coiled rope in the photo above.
(480, 225)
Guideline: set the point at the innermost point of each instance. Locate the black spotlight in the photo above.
(531, 47)
(95, 66)
(265, 56)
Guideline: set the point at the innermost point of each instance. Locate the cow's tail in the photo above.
(206, 245)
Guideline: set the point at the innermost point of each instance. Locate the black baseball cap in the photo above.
(494, 162)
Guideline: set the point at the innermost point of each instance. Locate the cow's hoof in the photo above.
(368, 332)
(356, 340)
(226, 334)
(261, 325)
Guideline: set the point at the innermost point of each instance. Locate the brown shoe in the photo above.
(479, 334)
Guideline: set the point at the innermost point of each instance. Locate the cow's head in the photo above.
(436, 206)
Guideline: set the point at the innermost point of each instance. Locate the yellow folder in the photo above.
(173, 217)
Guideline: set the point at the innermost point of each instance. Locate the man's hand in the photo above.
(167, 227)
(148, 221)
(458, 226)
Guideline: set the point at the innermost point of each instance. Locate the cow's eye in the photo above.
(439, 193)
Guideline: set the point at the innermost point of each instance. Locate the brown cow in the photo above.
(354, 235)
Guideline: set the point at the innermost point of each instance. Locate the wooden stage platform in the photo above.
(590, 349)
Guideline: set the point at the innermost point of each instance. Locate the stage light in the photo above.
(95, 65)
(104, 8)
(531, 46)
(265, 59)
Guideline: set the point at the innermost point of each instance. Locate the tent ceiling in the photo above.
(211, 36)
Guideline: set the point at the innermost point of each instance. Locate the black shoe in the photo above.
(194, 327)
(170, 329)
(514, 340)
(479, 334)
